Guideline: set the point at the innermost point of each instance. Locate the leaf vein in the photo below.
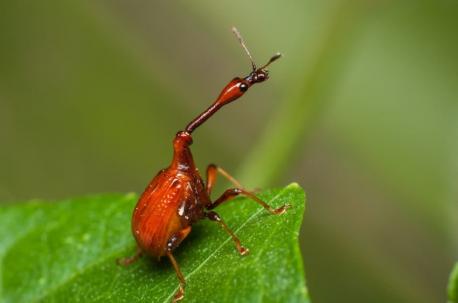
(224, 243)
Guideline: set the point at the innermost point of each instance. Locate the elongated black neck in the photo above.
(200, 119)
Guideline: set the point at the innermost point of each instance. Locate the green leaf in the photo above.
(66, 251)
(453, 286)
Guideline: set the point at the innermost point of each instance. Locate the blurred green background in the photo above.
(361, 111)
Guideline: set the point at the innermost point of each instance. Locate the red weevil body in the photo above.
(177, 196)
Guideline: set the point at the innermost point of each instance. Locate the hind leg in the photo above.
(129, 260)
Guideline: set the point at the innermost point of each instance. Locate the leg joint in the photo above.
(234, 191)
(213, 216)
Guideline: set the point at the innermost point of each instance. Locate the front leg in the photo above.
(212, 172)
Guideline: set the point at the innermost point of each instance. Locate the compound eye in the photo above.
(263, 76)
(243, 87)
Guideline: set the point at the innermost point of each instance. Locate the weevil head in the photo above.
(257, 75)
(238, 86)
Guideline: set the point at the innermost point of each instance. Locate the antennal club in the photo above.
(272, 59)
(242, 42)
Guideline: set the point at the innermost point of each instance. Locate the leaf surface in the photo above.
(66, 252)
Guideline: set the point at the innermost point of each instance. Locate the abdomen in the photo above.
(155, 218)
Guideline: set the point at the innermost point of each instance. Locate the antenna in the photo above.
(272, 59)
(242, 42)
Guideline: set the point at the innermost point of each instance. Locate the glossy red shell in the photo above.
(173, 200)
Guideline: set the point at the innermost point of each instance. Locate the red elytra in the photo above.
(177, 197)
